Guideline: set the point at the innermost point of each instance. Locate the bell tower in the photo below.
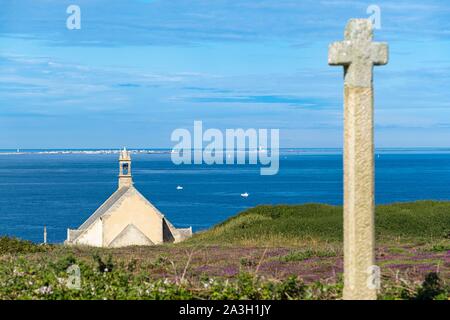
(125, 178)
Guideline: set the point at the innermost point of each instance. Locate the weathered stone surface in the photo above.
(358, 192)
(358, 54)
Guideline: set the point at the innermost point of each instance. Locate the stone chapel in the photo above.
(127, 218)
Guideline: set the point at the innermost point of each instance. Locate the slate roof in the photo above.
(115, 197)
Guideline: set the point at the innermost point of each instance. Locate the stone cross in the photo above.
(358, 54)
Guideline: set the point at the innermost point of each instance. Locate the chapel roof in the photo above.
(114, 199)
(108, 204)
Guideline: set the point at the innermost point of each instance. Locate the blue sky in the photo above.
(138, 69)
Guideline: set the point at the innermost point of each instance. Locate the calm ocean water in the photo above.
(62, 190)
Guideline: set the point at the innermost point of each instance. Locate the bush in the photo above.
(432, 288)
(14, 245)
(103, 266)
(306, 254)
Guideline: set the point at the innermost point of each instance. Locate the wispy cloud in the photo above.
(178, 22)
(151, 66)
(262, 99)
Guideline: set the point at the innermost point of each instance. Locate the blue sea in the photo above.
(62, 189)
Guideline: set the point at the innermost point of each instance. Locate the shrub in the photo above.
(440, 247)
(306, 254)
(102, 266)
(14, 245)
(432, 288)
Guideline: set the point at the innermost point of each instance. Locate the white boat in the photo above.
(244, 195)
(179, 188)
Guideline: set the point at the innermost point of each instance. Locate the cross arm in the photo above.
(379, 53)
(339, 53)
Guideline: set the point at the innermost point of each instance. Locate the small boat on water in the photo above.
(244, 195)
(179, 188)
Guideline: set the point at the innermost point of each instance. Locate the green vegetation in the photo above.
(268, 252)
(300, 255)
(440, 247)
(25, 280)
(432, 288)
(46, 279)
(418, 221)
(14, 246)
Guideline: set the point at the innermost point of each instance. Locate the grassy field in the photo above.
(287, 225)
(268, 252)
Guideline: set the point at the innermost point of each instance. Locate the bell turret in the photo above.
(125, 178)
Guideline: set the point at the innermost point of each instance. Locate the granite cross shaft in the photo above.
(358, 54)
